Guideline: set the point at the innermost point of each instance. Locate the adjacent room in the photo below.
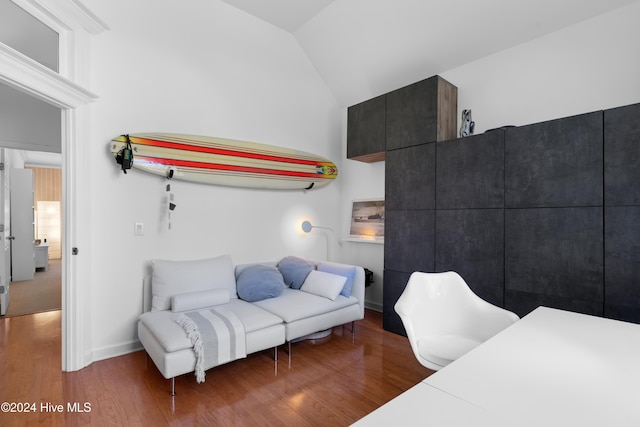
(320, 213)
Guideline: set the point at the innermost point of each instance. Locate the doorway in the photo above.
(43, 292)
(66, 91)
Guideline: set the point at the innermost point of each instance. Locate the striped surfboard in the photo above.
(228, 162)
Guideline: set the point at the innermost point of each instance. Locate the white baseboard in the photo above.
(115, 350)
(372, 305)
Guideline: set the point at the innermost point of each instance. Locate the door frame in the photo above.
(65, 90)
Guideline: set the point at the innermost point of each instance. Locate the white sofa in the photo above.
(267, 323)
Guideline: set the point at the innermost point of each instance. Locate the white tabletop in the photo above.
(553, 367)
(423, 405)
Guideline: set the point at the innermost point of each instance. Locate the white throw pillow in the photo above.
(178, 277)
(323, 284)
(198, 300)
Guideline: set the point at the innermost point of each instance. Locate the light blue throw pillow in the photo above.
(347, 271)
(295, 270)
(258, 282)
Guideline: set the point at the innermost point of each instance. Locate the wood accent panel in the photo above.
(447, 110)
(331, 382)
(47, 186)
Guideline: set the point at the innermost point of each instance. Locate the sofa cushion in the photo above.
(200, 299)
(347, 271)
(170, 278)
(294, 305)
(294, 270)
(258, 282)
(323, 284)
(169, 334)
(172, 336)
(253, 317)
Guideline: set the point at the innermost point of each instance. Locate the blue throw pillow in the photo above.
(258, 282)
(347, 271)
(295, 270)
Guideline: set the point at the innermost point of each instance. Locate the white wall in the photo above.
(587, 67)
(218, 72)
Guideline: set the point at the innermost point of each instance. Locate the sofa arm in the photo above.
(357, 291)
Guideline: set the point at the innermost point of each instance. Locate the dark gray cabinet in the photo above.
(470, 172)
(409, 228)
(556, 252)
(622, 156)
(422, 112)
(366, 130)
(416, 114)
(622, 212)
(471, 243)
(556, 163)
(622, 261)
(410, 178)
(544, 214)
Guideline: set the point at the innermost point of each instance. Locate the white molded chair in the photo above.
(444, 319)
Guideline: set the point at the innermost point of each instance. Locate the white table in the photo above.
(424, 405)
(552, 368)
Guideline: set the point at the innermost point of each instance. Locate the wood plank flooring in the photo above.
(331, 382)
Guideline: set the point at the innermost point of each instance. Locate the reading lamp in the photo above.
(307, 227)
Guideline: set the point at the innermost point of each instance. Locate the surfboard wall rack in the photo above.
(124, 156)
(220, 161)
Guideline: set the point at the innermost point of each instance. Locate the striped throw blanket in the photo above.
(217, 335)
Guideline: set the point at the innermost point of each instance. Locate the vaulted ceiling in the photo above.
(363, 48)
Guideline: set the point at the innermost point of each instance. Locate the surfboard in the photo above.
(219, 161)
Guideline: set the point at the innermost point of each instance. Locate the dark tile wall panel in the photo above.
(570, 215)
(622, 155)
(555, 252)
(471, 243)
(522, 303)
(366, 128)
(470, 172)
(622, 256)
(412, 114)
(413, 229)
(556, 163)
(394, 284)
(410, 178)
(627, 313)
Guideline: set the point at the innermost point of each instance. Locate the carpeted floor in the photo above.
(43, 293)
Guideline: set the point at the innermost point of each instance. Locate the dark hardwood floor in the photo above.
(331, 382)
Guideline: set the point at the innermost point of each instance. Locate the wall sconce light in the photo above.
(307, 227)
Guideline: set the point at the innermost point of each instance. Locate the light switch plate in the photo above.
(138, 229)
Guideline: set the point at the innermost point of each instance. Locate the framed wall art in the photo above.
(367, 220)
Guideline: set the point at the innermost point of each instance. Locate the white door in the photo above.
(23, 263)
(5, 232)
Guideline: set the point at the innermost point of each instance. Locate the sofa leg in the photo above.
(173, 386)
(289, 352)
(275, 360)
(353, 332)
